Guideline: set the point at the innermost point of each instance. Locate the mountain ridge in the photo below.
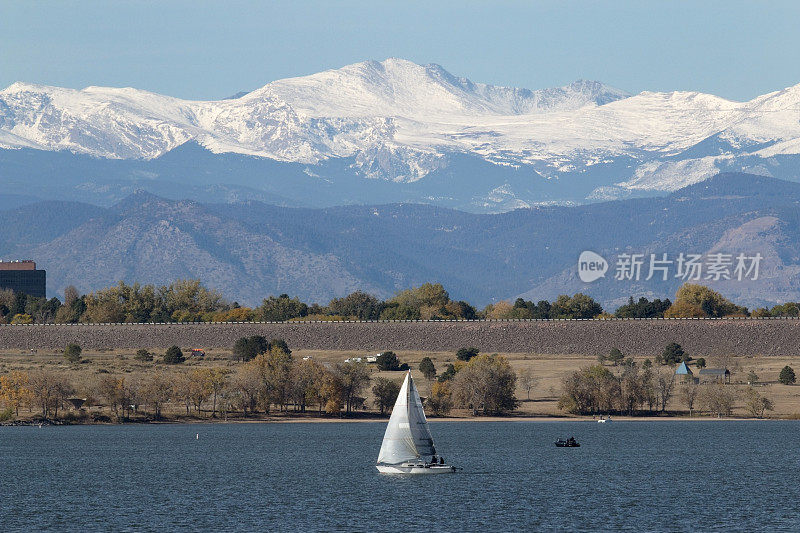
(251, 249)
(407, 125)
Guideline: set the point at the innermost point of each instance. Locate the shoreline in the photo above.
(329, 420)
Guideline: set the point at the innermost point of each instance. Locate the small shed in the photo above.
(719, 375)
(683, 370)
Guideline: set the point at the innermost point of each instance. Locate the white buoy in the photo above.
(197, 437)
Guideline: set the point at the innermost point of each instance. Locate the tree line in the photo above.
(646, 389)
(269, 378)
(190, 301)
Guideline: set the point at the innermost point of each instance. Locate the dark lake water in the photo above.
(636, 476)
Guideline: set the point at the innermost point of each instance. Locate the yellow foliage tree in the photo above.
(14, 390)
(22, 318)
(693, 300)
(684, 309)
(499, 310)
(441, 399)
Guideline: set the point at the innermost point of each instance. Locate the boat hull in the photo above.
(415, 469)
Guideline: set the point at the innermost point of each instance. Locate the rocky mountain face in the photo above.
(390, 131)
(250, 249)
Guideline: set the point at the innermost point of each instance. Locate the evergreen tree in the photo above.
(427, 368)
(174, 356)
(787, 376)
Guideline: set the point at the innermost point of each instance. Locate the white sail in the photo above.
(407, 436)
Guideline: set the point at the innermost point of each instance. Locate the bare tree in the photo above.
(757, 404)
(688, 395)
(70, 295)
(664, 387)
(729, 361)
(527, 381)
(43, 385)
(718, 399)
(156, 391)
(182, 389)
(217, 379)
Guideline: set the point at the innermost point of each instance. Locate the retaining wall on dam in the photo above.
(637, 337)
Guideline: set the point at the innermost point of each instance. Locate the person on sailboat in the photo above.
(407, 440)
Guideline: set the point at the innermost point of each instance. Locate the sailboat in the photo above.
(408, 441)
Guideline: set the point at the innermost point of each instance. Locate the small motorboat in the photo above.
(569, 443)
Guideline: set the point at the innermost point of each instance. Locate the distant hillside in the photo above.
(251, 249)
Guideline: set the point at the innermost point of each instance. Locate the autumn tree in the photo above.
(156, 391)
(216, 380)
(694, 300)
(42, 385)
(14, 390)
(353, 378)
(248, 385)
(199, 387)
(632, 393)
(589, 390)
(358, 304)
(331, 392)
(306, 379)
(279, 376)
(183, 389)
(111, 389)
(487, 383)
(440, 400)
(281, 308)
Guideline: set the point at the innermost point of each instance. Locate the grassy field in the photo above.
(548, 370)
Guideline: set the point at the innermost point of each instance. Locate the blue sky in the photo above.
(198, 49)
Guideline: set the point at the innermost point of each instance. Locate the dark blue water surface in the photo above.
(637, 476)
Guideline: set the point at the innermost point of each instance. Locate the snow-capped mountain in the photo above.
(419, 127)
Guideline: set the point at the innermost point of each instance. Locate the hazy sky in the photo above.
(198, 49)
